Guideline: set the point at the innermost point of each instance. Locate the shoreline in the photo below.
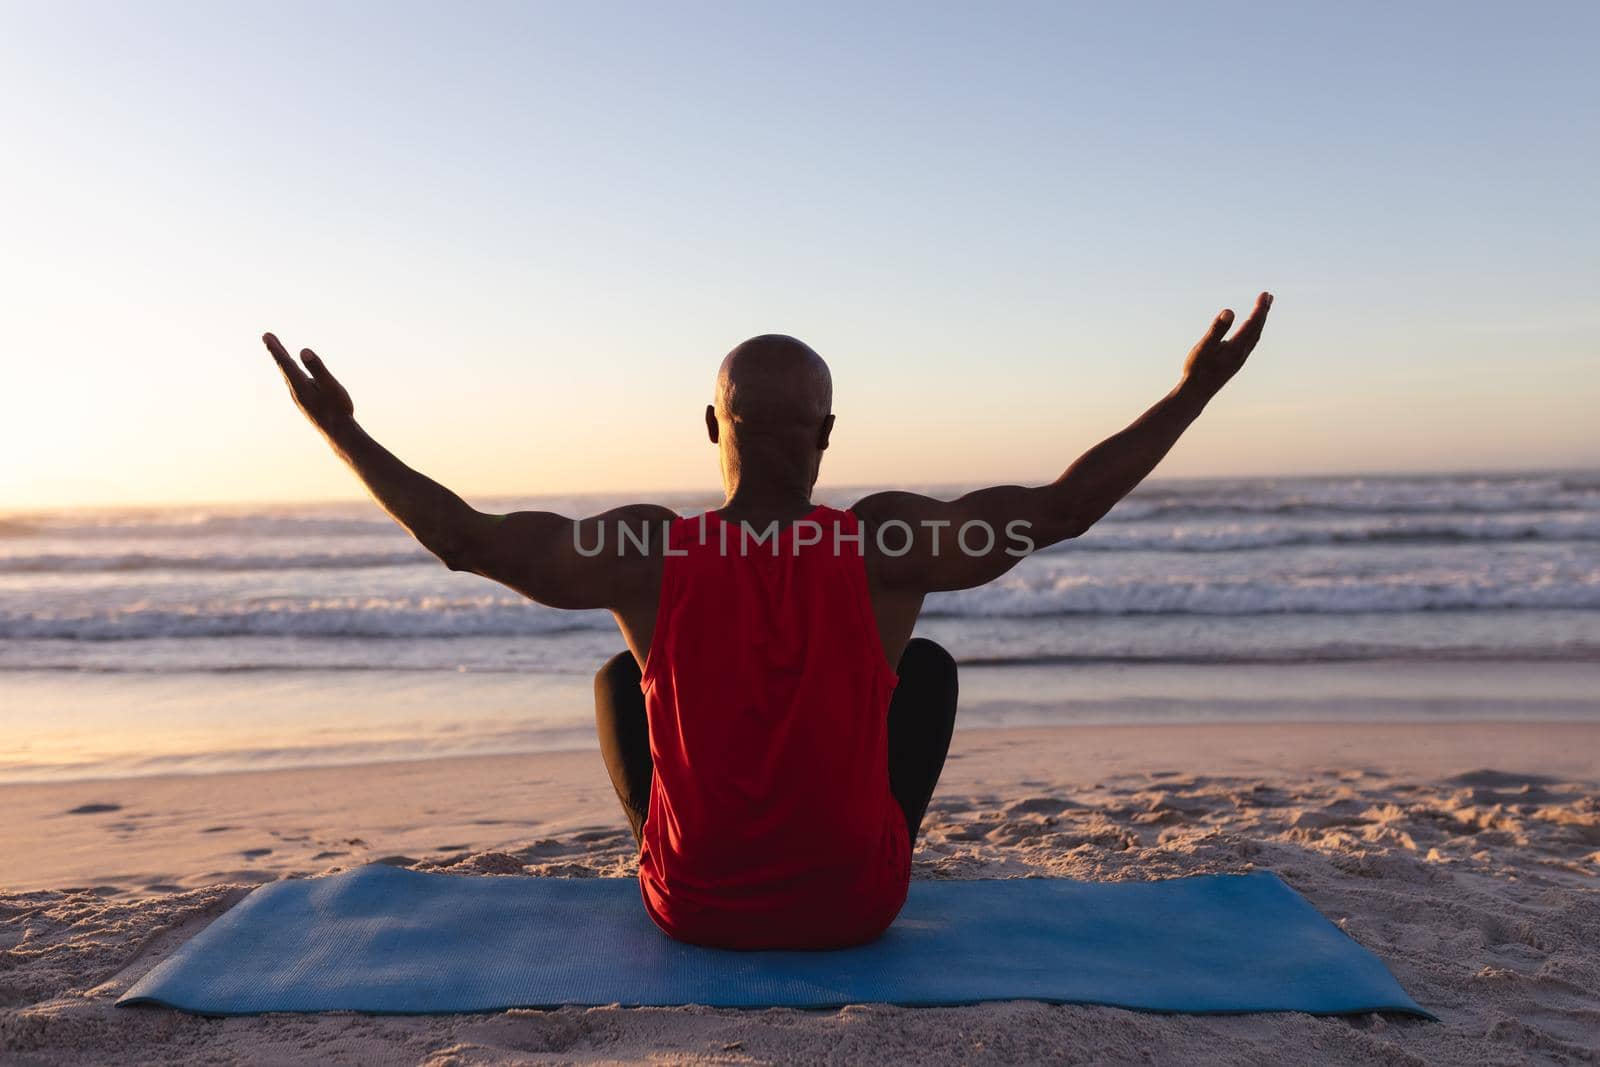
(97, 727)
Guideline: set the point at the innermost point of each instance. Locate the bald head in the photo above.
(771, 416)
(774, 381)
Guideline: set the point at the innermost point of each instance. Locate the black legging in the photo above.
(922, 716)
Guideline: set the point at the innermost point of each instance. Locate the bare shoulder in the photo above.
(895, 505)
(602, 561)
(535, 526)
(629, 531)
(922, 544)
(639, 516)
(895, 515)
(643, 513)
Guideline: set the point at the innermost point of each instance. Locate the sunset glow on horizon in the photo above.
(524, 238)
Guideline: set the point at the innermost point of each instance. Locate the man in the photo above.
(774, 732)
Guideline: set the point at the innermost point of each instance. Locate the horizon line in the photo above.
(960, 486)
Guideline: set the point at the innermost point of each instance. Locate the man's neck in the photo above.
(752, 502)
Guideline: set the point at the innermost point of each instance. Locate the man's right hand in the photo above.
(317, 394)
(1218, 357)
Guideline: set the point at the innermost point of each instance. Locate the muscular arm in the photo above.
(533, 552)
(1022, 518)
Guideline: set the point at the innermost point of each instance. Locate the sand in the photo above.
(1467, 856)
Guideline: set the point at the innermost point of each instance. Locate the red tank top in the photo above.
(771, 824)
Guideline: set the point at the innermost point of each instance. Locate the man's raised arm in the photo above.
(924, 545)
(536, 553)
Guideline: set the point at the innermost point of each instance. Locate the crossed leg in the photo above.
(922, 716)
(624, 730)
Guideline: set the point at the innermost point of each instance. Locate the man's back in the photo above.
(771, 822)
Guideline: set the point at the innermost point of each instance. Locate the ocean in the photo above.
(202, 638)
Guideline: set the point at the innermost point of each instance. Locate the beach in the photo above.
(374, 362)
(1464, 854)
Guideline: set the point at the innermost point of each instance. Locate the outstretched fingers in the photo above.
(291, 370)
(1219, 328)
(319, 370)
(1250, 332)
(323, 376)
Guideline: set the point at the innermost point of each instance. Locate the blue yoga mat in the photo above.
(384, 939)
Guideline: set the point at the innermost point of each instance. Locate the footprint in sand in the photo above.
(245, 875)
(94, 809)
(547, 848)
(255, 853)
(1488, 778)
(1039, 806)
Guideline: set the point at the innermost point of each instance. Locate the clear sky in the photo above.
(524, 234)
